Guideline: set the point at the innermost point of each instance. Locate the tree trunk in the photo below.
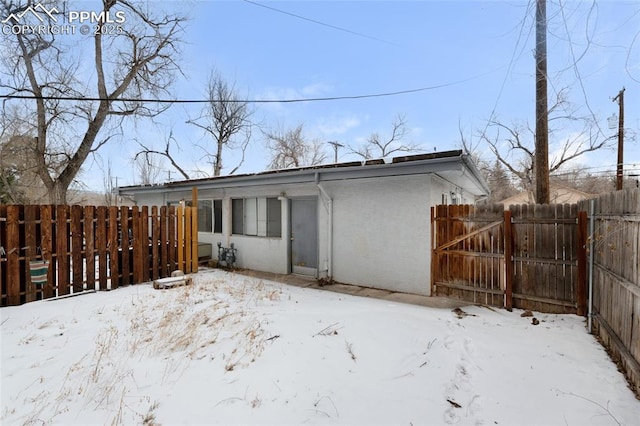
(217, 167)
(58, 193)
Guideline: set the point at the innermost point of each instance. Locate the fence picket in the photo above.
(172, 219)
(180, 240)
(101, 246)
(76, 249)
(187, 239)
(144, 242)
(164, 244)
(62, 249)
(125, 247)
(138, 259)
(12, 249)
(508, 260)
(46, 247)
(155, 241)
(89, 249)
(113, 245)
(30, 251)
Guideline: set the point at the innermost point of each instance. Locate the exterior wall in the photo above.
(382, 232)
(378, 228)
(270, 254)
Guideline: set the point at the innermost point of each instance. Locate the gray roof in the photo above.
(453, 166)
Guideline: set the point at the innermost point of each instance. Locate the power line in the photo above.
(575, 67)
(510, 66)
(249, 101)
(319, 22)
(626, 64)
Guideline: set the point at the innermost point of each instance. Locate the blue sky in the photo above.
(480, 52)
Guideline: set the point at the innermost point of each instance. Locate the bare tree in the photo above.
(148, 168)
(146, 151)
(291, 148)
(500, 183)
(380, 147)
(130, 61)
(514, 146)
(226, 119)
(109, 186)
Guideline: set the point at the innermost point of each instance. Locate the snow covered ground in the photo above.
(232, 349)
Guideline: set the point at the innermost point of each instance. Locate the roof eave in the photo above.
(311, 175)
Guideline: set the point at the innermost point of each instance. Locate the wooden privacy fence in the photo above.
(82, 248)
(615, 244)
(529, 257)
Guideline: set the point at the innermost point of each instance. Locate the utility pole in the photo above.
(336, 145)
(542, 123)
(619, 168)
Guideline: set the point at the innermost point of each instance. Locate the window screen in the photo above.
(237, 216)
(217, 216)
(274, 217)
(205, 216)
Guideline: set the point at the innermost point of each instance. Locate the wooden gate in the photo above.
(528, 257)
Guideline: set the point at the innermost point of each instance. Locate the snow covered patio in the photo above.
(232, 349)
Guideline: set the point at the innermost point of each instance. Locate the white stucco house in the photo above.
(364, 223)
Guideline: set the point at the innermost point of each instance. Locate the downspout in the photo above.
(592, 203)
(328, 205)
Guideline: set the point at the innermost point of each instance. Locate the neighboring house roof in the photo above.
(453, 166)
(559, 194)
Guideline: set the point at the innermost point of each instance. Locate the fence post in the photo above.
(581, 284)
(508, 261)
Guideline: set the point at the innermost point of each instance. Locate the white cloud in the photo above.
(336, 125)
(283, 93)
(316, 89)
